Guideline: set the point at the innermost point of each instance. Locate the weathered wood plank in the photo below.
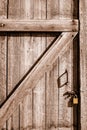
(52, 74)
(66, 9)
(14, 9)
(26, 61)
(52, 98)
(65, 112)
(2, 68)
(27, 57)
(39, 90)
(3, 55)
(10, 123)
(39, 41)
(26, 112)
(39, 25)
(31, 79)
(52, 9)
(83, 62)
(13, 60)
(3, 9)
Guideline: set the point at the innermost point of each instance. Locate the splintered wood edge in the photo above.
(39, 25)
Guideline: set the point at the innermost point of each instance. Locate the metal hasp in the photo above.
(62, 79)
(72, 95)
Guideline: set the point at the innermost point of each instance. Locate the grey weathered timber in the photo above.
(29, 82)
(39, 25)
(83, 62)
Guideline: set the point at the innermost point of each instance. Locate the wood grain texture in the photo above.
(21, 50)
(3, 55)
(38, 109)
(48, 58)
(38, 25)
(3, 9)
(2, 68)
(39, 41)
(52, 74)
(83, 62)
(66, 112)
(66, 9)
(52, 98)
(27, 57)
(26, 44)
(52, 9)
(13, 61)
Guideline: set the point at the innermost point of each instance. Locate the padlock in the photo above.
(75, 100)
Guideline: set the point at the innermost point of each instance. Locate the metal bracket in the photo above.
(62, 79)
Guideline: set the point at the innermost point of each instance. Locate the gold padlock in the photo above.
(75, 100)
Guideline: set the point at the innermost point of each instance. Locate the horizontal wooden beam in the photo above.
(35, 74)
(39, 25)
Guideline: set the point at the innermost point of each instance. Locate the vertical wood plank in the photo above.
(65, 110)
(66, 9)
(3, 54)
(27, 102)
(15, 120)
(3, 9)
(10, 123)
(52, 75)
(14, 9)
(83, 61)
(2, 68)
(26, 113)
(38, 92)
(13, 74)
(53, 9)
(26, 62)
(13, 60)
(21, 51)
(52, 98)
(39, 42)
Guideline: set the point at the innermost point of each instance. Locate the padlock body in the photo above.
(75, 100)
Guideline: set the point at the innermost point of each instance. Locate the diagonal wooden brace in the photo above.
(34, 76)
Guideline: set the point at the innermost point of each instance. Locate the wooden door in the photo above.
(44, 107)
